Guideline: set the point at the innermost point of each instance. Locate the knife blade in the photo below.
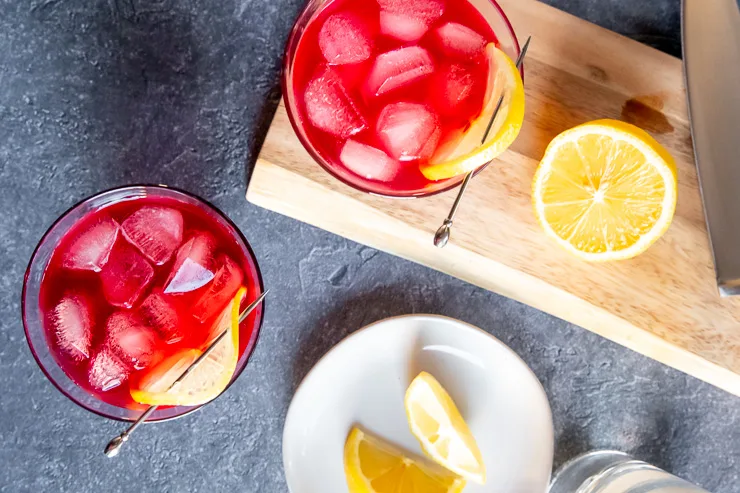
(711, 54)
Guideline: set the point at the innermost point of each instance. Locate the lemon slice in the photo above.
(207, 380)
(375, 466)
(464, 152)
(442, 432)
(605, 190)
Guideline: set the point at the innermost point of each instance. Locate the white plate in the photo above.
(362, 381)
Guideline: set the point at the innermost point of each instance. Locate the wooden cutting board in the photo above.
(663, 304)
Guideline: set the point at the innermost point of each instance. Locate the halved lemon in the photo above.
(375, 466)
(441, 430)
(605, 190)
(207, 380)
(465, 152)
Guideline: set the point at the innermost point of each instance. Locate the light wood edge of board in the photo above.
(325, 208)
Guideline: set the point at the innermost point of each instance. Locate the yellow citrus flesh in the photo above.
(375, 466)
(605, 190)
(207, 380)
(465, 152)
(441, 430)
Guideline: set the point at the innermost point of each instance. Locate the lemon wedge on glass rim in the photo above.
(208, 379)
(464, 152)
(441, 430)
(372, 465)
(605, 190)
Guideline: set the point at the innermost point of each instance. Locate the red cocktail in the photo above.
(128, 280)
(377, 90)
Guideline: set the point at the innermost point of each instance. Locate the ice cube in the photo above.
(430, 10)
(346, 38)
(155, 231)
(72, 322)
(157, 312)
(225, 284)
(106, 371)
(90, 249)
(133, 342)
(329, 106)
(194, 265)
(409, 20)
(402, 26)
(408, 130)
(398, 68)
(369, 162)
(453, 87)
(459, 41)
(125, 276)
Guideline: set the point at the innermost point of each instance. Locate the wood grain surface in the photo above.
(664, 303)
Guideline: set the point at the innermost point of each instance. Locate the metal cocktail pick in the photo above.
(114, 446)
(442, 236)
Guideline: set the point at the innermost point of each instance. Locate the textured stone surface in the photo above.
(97, 93)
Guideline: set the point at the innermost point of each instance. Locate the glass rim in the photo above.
(294, 38)
(248, 351)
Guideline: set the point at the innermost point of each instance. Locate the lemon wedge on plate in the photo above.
(464, 152)
(375, 466)
(207, 380)
(441, 430)
(605, 190)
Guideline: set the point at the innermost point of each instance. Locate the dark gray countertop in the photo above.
(95, 94)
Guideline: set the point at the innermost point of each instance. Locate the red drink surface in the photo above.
(448, 83)
(109, 318)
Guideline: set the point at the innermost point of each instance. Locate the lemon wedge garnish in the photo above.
(464, 152)
(441, 430)
(375, 466)
(605, 190)
(207, 380)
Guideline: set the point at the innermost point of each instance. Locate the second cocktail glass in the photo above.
(128, 280)
(374, 90)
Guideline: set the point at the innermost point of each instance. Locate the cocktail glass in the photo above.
(507, 40)
(33, 316)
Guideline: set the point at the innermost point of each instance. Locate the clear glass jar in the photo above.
(609, 471)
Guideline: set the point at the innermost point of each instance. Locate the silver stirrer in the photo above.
(442, 236)
(114, 446)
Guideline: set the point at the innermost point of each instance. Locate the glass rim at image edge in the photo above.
(293, 40)
(249, 348)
